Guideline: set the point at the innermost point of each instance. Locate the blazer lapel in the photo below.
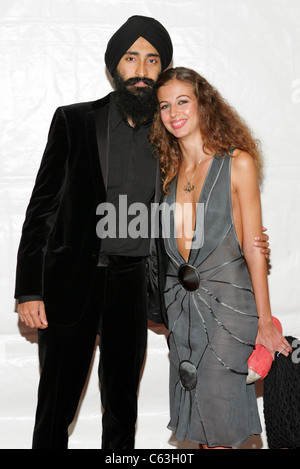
(102, 131)
(98, 142)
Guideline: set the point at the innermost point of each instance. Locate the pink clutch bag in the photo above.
(260, 361)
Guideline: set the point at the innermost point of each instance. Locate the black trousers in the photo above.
(119, 307)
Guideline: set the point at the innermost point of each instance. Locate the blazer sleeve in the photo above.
(42, 209)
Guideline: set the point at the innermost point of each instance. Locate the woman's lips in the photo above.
(178, 123)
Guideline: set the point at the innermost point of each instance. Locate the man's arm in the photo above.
(40, 217)
(25, 298)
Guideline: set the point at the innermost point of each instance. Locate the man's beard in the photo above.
(135, 103)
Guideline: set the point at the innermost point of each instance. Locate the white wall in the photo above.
(51, 53)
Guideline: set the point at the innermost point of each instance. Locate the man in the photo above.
(70, 281)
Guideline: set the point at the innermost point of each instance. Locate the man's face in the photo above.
(140, 64)
(135, 77)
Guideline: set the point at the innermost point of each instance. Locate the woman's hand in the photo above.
(272, 339)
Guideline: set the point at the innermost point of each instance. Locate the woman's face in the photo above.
(179, 109)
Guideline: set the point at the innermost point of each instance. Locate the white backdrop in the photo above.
(51, 53)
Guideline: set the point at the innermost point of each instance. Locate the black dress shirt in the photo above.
(131, 185)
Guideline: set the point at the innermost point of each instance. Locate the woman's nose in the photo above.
(173, 111)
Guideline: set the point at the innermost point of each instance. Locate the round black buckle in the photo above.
(188, 375)
(189, 277)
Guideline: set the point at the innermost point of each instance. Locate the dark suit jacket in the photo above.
(59, 247)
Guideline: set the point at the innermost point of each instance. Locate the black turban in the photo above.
(136, 26)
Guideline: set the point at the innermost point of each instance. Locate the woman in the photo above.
(216, 286)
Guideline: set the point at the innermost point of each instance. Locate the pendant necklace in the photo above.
(189, 187)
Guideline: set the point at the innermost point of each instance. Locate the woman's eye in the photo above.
(164, 106)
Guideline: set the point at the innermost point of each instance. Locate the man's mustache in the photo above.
(134, 80)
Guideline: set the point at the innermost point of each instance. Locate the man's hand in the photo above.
(33, 314)
(262, 242)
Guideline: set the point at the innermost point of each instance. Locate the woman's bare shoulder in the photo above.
(243, 166)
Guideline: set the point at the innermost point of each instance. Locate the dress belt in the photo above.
(106, 260)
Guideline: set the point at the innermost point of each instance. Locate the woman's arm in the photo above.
(245, 185)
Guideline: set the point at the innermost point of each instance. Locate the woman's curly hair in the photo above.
(220, 125)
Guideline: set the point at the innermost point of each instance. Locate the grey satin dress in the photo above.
(212, 322)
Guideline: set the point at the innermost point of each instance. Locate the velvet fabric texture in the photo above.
(59, 247)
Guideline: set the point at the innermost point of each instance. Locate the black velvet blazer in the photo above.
(59, 247)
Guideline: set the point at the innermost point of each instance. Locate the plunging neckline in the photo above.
(196, 216)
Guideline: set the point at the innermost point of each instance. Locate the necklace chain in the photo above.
(189, 186)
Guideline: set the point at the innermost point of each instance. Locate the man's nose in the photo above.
(141, 69)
